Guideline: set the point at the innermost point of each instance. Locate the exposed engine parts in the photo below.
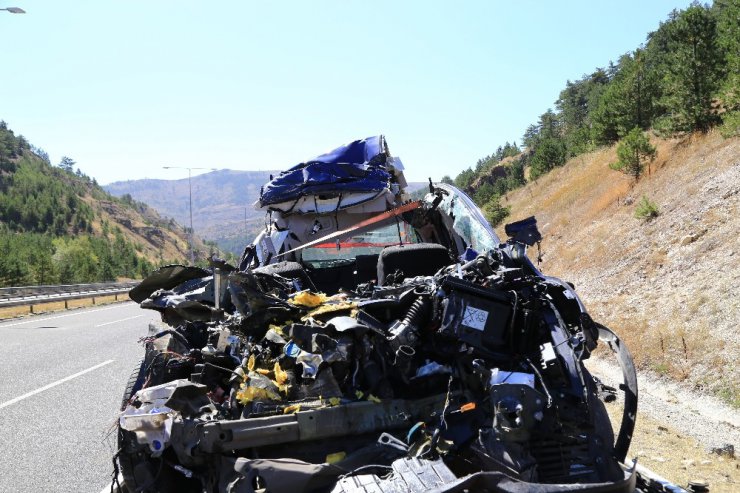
(474, 367)
(371, 343)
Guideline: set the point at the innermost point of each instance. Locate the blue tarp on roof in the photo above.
(356, 167)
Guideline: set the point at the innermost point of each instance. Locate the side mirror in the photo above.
(524, 231)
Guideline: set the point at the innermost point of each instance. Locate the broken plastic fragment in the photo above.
(293, 408)
(250, 363)
(308, 299)
(278, 329)
(336, 457)
(310, 362)
(259, 388)
(332, 307)
(281, 376)
(433, 368)
(291, 349)
(467, 407)
(248, 394)
(151, 428)
(152, 420)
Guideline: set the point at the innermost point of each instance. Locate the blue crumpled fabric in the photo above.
(356, 167)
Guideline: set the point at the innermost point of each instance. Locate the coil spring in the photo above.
(417, 312)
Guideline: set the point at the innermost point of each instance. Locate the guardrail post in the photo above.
(31, 307)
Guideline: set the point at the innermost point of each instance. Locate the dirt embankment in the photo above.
(669, 286)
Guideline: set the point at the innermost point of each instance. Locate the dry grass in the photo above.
(174, 246)
(677, 457)
(675, 304)
(22, 311)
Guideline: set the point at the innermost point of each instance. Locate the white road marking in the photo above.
(54, 384)
(122, 320)
(83, 312)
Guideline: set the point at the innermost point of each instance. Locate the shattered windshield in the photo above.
(468, 221)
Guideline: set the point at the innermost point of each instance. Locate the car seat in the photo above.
(412, 259)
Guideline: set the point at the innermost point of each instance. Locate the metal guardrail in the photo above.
(36, 295)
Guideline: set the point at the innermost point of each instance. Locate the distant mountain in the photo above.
(223, 203)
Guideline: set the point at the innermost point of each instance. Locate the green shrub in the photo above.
(633, 152)
(730, 124)
(646, 209)
(495, 212)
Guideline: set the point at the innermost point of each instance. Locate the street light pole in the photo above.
(190, 202)
(192, 230)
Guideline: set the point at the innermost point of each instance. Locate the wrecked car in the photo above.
(369, 340)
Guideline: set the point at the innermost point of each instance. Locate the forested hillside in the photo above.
(685, 78)
(59, 226)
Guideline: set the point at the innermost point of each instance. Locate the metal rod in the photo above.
(190, 205)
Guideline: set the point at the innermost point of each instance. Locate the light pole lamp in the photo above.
(14, 10)
(190, 201)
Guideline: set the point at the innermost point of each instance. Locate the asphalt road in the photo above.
(63, 376)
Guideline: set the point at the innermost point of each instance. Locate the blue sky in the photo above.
(126, 87)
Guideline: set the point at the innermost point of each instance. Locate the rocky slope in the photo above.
(669, 285)
(160, 240)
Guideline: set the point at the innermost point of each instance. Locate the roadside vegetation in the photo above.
(685, 78)
(646, 209)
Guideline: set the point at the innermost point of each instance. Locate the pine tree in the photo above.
(550, 153)
(630, 100)
(695, 69)
(633, 152)
(67, 164)
(727, 14)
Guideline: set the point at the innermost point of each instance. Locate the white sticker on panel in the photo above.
(474, 318)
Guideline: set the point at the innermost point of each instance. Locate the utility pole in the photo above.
(190, 203)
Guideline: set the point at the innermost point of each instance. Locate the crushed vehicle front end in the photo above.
(369, 342)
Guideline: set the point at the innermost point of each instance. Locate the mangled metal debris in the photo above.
(370, 343)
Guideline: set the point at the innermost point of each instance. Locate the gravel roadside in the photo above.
(680, 434)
